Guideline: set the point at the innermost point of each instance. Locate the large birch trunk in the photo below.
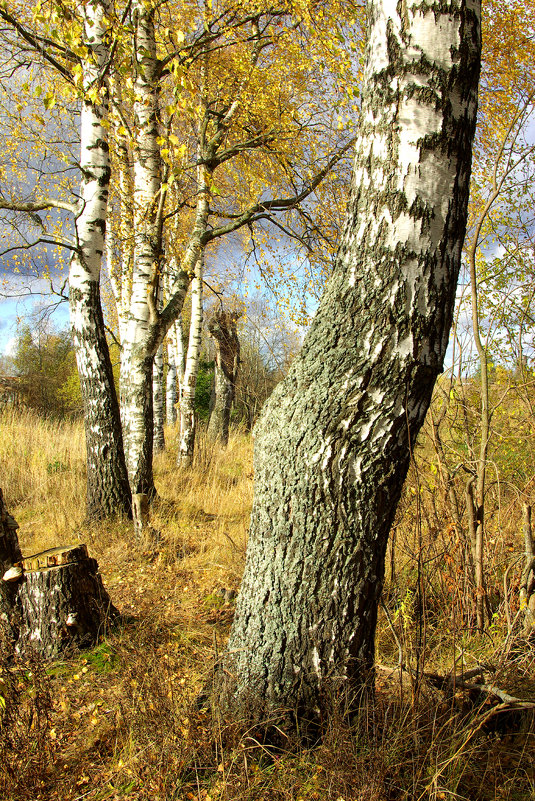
(186, 442)
(334, 441)
(222, 328)
(107, 482)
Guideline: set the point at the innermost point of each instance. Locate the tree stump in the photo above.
(52, 602)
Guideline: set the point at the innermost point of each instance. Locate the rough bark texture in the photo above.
(51, 602)
(108, 491)
(107, 482)
(333, 443)
(63, 607)
(222, 328)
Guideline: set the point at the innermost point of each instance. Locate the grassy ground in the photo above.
(121, 720)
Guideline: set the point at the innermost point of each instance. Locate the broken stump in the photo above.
(54, 601)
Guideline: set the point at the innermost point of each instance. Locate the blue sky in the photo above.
(14, 312)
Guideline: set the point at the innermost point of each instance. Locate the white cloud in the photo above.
(9, 347)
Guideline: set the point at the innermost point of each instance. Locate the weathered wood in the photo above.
(51, 602)
(64, 606)
(55, 557)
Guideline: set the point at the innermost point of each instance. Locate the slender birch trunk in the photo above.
(158, 394)
(333, 443)
(186, 442)
(222, 328)
(119, 236)
(175, 358)
(141, 336)
(107, 483)
(171, 380)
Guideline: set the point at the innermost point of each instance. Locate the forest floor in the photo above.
(122, 720)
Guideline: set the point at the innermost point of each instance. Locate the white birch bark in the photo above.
(158, 393)
(140, 342)
(175, 356)
(223, 329)
(333, 444)
(106, 474)
(146, 327)
(171, 380)
(186, 442)
(119, 236)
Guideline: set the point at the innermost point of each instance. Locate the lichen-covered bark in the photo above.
(107, 483)
(334, 441)
(222, 328)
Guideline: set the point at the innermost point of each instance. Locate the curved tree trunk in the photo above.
(107, 482)
(223, 329)
(333, 443)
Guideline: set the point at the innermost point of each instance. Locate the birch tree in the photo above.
(188, 382)
(107, 484)
(334, 441)
(227, 126)
(223, 329)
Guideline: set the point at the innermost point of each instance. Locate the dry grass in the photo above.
(43, 476)
(121, 721)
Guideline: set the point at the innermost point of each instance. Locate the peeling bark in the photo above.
(333, 443)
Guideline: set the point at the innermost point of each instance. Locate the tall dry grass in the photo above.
(42, 475)
(121, 720)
